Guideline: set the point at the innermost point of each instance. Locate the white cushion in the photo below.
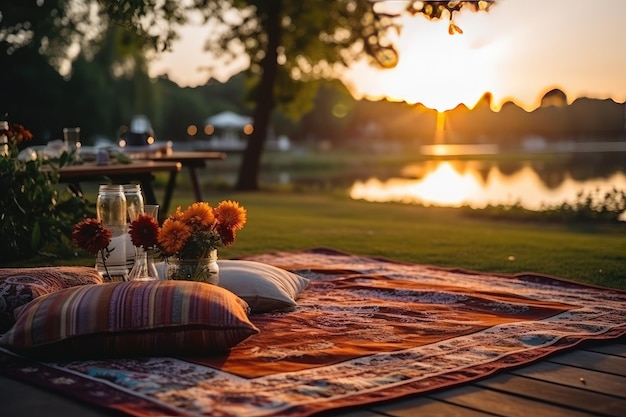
(264, 287)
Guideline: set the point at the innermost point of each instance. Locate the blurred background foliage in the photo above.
(85, 63)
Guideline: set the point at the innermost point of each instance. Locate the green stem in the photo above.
(104, 262)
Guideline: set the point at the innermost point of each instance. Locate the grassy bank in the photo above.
(438, 236)
(593, 254)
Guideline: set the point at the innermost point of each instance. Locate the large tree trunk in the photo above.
(248, 179)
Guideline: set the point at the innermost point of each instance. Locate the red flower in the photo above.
(227, 234)
(89, 234)
(144, 231)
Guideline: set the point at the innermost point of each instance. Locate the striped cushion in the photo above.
(19, 286)
(145, 318)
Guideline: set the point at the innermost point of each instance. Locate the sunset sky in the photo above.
(517, 51)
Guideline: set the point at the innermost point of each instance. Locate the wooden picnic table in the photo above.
(136, 171)
(192, 160)
(142, 169)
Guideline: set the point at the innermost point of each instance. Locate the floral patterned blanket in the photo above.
(366, 329)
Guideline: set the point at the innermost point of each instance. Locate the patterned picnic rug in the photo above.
(366, 330)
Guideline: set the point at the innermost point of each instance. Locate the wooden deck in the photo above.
(588, 381)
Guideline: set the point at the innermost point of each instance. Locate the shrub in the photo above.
(35, 210)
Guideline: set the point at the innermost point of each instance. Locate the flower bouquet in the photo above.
(190, 238)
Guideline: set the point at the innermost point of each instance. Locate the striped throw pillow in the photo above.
(136, 318)
(19, 286)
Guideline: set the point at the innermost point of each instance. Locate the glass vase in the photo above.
(143, 268)
(197, 269)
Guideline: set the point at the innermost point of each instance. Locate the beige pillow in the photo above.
(264, 287)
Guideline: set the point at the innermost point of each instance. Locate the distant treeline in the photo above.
(35, 95)
(584, 119)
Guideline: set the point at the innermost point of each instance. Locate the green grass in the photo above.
(279, 220)
(437, 236)
(594, 254)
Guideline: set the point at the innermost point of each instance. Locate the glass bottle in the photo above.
(134, 204)
(144, 268)
(111, 211)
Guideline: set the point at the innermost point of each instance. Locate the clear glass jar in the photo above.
(134, 198)
(198, 269)
(111, 211)
(134, 207)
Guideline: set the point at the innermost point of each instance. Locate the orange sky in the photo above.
(517, 51)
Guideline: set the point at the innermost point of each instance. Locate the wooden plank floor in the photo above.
(588, 381)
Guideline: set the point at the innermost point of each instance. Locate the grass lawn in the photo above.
(437, 236)
(595, 254)
(291, 220)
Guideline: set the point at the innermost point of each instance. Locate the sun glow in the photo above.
(444, 186)
(517, 51)
(435, 68)
(513, 52)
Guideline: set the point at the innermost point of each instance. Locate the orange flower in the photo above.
(144, 231)
(177, 215)
(231, 215)
(17, 134)
(89, 234)
(198, 215)
(173, 236)
(193, 232)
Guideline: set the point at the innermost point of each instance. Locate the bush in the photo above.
(35, 210)
(590, 207)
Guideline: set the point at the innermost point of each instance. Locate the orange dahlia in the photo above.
(231, 215)
(173, 236)
(91, 235)
(177, 215)
(199, 215)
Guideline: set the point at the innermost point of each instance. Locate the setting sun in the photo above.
(435, 68)
(517, 51)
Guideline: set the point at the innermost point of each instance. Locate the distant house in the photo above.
(228, 130)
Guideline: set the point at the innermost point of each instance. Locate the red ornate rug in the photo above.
(365, 330)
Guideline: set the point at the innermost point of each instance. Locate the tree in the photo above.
(294, 44)
(291, 44)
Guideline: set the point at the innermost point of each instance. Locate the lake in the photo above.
(455, 175)
(533, 181)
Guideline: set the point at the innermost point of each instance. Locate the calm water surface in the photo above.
(533, 183)
(450, 184)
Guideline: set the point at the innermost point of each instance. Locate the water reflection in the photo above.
(450, 184)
